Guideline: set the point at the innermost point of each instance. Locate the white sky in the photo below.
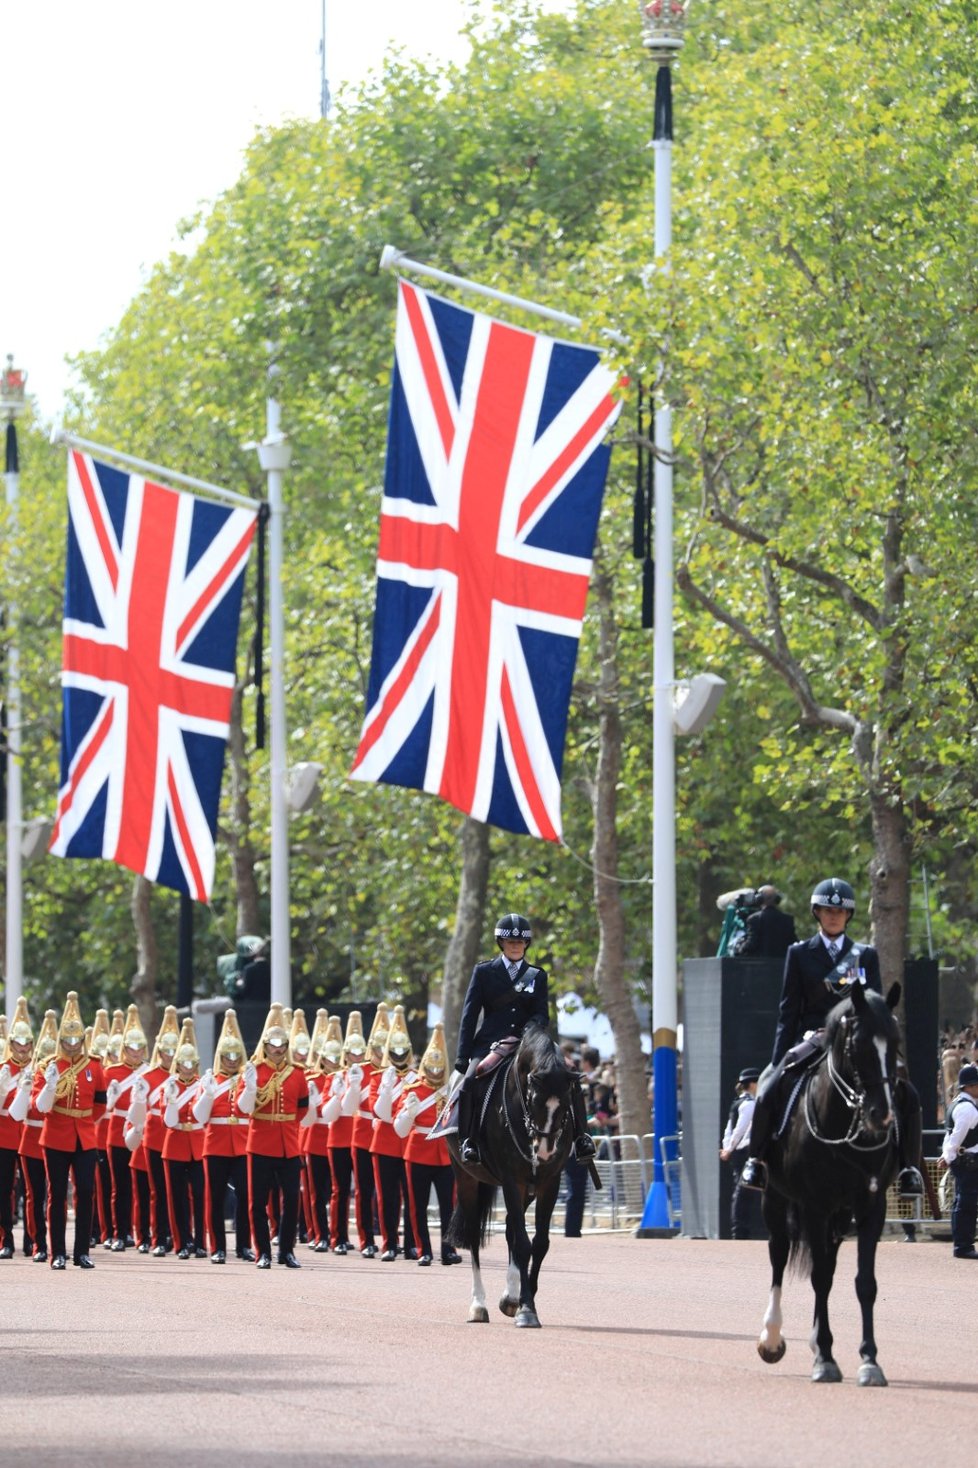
(121, 117)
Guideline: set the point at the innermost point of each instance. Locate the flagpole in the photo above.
(274, 455)
(663, 25)
(12, 395)
(72, 441)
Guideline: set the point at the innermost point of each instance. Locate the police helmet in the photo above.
(513, 925)
(833, 892)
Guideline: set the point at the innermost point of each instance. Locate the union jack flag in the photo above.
(494, 478)
(153, 586)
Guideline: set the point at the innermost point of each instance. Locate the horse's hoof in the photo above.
(771, 1355)
(478, 1315)
(508, 1305)
(527, 1318)
(871, 1375)
(826, 1371)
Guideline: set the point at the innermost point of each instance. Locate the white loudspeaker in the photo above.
(696, 703)
(35, 838)
(301, 784)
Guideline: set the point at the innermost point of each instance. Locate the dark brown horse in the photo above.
(526, 1136)
(830, 1170)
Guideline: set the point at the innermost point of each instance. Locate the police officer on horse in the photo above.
(506, 994)
(818, 975)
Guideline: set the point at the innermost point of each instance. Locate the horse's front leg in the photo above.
(824, 1250)
(870, 1228)
(546, 1202)
(772, 1345)
(509, 1300)
(520, 1252)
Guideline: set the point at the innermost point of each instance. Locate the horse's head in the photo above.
(544, 1084)
(862, 1039)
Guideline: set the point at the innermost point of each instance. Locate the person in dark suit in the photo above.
(769, 931)
(818, 975)
(504, 996)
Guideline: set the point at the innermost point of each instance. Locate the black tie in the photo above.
(833, 951)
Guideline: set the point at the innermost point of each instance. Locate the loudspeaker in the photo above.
(697, 703)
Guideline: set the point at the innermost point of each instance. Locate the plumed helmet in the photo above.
(513, 925)
(99, 1039)
(354, 1045)
(300, 1041)
(20, 1032)
(833, 892)
(113, 1051)
(331, 1046)
(378, 1033)
(275, 1032)
(187, 1054)
(167, 1039)
(133, 1035)
(397, 1050)
(318, 1036)
(434, 1061)
(229, 1052)
(47, 1038)
(72, 1029)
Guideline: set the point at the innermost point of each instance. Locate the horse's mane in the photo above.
(878, 1007)
(539, 1050)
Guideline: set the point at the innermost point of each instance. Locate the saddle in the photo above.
(800, 1062)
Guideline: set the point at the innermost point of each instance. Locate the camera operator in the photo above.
(769, 931)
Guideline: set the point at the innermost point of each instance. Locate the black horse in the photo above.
(830, 1170)
(526, 1136)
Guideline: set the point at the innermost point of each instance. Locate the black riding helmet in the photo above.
(513, 925)
(833, 892)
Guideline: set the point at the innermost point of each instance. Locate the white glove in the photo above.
(132, 1135)
(330, 1109)
(45, 1096)
(315, 1100)
(136, 1115)
(251, 1076)
(140, 1090)
(204, 1104)
(388, 1079)
(171, 1092)
(21, 1104)
(208, 1085)
(404, 1120)
(111, 1095)
(5, 1079)
(355, 1074)
(26, 1078)
(351, 1097)
(246, 1101)
(384, 1103)
(51, 1074)
(311, 1111)
(336, 1089)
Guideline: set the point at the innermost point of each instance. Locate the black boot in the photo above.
(754, 1171)
(584, 1148)
(468, 1147)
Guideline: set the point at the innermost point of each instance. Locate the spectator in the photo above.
(770, 932)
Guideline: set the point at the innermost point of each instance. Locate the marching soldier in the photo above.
(151, 1132)
(31, 1151)
(183, 1147)
(16, 1076)
(340, 1123)
(97, 1044)
(275, 1094)
(300, 1052)
(356, 1103)
(324, 1056)
(120, 1077)
(70, 1095)
(427, 1162)
(225, 1142)
(387, 1146)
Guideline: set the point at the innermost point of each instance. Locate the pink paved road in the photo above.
(646, 1357)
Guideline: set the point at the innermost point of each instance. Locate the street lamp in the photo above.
(663, 27)
(13, 388)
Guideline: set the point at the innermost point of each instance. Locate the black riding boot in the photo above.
(584, 1149)
(910, 1184)
(754, 1171)
(468, 1147)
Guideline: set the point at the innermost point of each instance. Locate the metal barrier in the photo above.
(624, 1166)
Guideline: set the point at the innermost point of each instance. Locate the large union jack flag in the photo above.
(153, 588)
(494, 479)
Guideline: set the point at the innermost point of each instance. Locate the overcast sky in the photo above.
(121, 117)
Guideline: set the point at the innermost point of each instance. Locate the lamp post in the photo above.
(663, 25)
(13, 384)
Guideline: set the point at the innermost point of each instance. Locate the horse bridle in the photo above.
(532, 1130)
(854, 1099)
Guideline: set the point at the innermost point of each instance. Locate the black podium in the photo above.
(730, 1008)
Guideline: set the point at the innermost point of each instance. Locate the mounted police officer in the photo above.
(506, 994)
(818, 975)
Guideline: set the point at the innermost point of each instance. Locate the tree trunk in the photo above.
(470, 920)
(143, 986)
(237, 838)
(889, 876)
(609, 969)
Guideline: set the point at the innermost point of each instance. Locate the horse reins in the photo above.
(854, 1101)
(532, 1130)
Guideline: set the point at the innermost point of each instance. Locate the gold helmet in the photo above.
(133, 1035)
(300, 1042)
(3, 1025)
(186, 1061)
(229, 1053)
(275, 1033)
(397, 1050)
(354, 1045)
(47, 1038)
(19, 1034)
(331, 1048)
(167, 1040)
(71, 1034)
(379, 1031)
(113, 1052)
(317, 1037)
(99, 1039)
(434, 1061)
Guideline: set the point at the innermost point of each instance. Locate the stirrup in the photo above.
(469, 1152)
(584, 1148)
(909, 1183)
(754, 1174)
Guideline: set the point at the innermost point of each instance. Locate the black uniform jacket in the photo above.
(492, 996)
(805, 997)
(770, 933)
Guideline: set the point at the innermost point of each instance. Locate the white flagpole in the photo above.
(11, 405)
(274, 455)
(72, 441)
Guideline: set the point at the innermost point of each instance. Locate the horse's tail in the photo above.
(470, 1230)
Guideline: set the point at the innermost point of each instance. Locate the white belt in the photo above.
(365, 1115)
(424, 1130)
(33, 1123)
(227, 1121)
(4, 1111)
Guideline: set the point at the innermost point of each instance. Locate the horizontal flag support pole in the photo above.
(71, 440)
(392, 258)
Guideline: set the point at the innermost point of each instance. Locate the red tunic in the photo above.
(72, 1120)
(10, 1130)
(124, 1076)
(226, 1134)
(317, 1137)
(185, 1141)
(363, 1121)
(340, 1130)
(154, 1133)
(385, 1142)
(274, 1127)
(30, 1136)
(418, 1146)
